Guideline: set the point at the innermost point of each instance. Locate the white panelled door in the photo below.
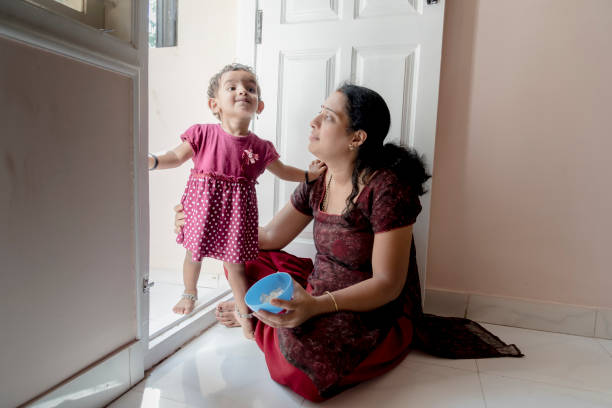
(309, 47)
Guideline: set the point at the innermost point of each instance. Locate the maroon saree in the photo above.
(331, 352)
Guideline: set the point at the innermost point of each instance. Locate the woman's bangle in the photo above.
(156, 161)
(333, 299)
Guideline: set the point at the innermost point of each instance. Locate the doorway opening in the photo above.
(187, 45)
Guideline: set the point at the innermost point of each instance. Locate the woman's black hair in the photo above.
(368, 111)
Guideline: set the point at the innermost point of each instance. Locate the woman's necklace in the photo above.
(324, 202)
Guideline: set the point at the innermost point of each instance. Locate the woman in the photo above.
(353, 316)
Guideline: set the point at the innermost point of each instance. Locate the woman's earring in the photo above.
(351, 147)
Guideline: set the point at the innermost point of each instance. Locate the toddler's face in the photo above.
(237, 95)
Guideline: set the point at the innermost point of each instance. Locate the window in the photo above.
(73, 4)
(162, 23)
(111, 16)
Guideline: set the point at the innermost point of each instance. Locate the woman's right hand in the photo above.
(300, 308)
(179, 218)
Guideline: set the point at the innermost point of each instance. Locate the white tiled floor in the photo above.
(221, 369)
(169, 287)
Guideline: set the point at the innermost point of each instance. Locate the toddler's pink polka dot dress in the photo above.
(219, 201)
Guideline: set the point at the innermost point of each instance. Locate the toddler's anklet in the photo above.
(189, 296)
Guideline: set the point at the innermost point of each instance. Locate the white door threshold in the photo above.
(174, 337)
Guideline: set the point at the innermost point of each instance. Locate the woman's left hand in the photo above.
(297, 310)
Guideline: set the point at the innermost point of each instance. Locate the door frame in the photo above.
(246, 49)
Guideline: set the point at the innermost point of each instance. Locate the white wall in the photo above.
(178, 79)
(521, 195)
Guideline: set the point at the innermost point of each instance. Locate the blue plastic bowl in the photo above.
(264, 286)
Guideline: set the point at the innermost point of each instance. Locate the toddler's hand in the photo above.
(179, 218)
(315, 169)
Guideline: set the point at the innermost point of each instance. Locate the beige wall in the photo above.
(522, 197)
(178, 79)
(67, 278)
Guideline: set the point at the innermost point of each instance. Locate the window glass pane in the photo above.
(73, 4)
(112, 16)
(163, 16)
(153, 23)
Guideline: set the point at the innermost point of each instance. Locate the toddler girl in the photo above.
(219, 201)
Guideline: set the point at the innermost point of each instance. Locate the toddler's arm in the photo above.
(290, 173)
(172, 158)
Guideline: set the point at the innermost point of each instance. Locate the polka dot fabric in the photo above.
(221, 218)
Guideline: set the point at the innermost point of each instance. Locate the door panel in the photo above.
(300, 11)
(309, 48)
(295, 107)
(384, 8)
(390, 70)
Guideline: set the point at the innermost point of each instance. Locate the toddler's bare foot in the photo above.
(225, 314)
(184, 306)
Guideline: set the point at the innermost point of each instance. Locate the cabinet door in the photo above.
(74, 236)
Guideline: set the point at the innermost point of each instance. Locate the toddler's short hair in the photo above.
(213, 85)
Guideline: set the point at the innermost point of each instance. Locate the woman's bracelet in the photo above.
(156, 161)
(333, 299)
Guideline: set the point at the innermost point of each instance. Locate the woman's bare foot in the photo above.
(247, 328)
(225, 314)
(184, 306)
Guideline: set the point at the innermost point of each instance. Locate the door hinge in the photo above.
(146, 285)
(258, 23)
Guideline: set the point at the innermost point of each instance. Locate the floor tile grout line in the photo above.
(119, 398)
(484, 398)
(458, 369)
(162, 397)
(535, 331)
(173, 400)
(438, 365)
(131, 390)
(482, 392)
(609, 353)
(495, 374)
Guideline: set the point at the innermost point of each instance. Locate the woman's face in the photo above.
(329, 137)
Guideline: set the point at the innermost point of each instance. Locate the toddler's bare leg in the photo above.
(238, 282)
(191, 273)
